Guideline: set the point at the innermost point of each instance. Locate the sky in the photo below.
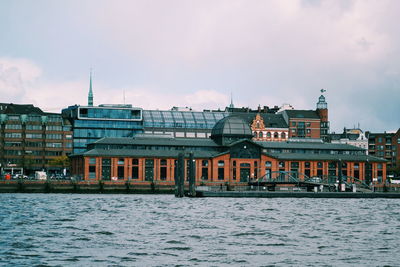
(159, 54)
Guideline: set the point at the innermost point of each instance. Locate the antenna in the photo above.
(124, 96)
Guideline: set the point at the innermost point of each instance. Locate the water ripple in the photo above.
(161, 230)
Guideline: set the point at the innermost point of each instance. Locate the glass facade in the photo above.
(93, 123)
(181, 123)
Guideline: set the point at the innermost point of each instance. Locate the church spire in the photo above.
(90, 96)
(231, 105)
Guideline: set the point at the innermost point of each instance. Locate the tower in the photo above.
(90, 96)
(322, 111)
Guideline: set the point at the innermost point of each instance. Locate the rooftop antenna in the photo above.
(124, 96)
(323, 90)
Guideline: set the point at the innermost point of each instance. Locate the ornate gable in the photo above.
(258, 123)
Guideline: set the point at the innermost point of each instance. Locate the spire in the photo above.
(231, 105)
(90, 96)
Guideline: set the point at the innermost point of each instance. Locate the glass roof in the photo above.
(182, 119)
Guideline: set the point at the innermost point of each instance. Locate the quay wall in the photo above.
(157, 187)
(91, 187)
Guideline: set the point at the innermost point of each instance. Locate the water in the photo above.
(161, 230)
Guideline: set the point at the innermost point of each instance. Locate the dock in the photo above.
(268, 194)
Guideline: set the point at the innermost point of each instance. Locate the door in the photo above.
(244, 172)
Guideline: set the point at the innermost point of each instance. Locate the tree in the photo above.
(60, 161)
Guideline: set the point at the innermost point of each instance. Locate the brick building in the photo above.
(387, 146)
(31, 139)
(228, 156)
(310, 124)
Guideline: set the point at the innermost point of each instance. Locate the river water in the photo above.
(161, 230)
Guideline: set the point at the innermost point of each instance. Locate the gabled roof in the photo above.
(316, 157)
(299, 114)
(270, 120)
(245, 140)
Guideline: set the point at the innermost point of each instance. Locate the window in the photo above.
(92, 171)
(283, 135)
(268, 164)
(53, 128)
(53, 144)
(281, 164)
(293, 123)
(260, 135)
(308, 124)
(92, 160)
(163, 169)
(234, 170)
(12, 144)
(13, 135)
(276, 135)
(34, 136)
(308, 131)
(135, 169)
(294, 165)
(268, 134)
(221, 170)
(13, 126)
(106, 169)
(149, 170)
(33, 127)
(53, 136)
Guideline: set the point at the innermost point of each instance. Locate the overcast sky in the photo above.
(197, 53)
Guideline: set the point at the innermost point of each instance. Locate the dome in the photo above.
(230, 129)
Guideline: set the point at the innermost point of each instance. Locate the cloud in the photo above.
(196, 53)
(16, 77)
(23, 81)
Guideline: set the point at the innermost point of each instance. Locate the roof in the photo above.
(270, 120)
(299, 114)
(232, 125)
(145, 153)
(11, 108)
(326, 157)
(202, 142)
(344, 136)
(308, 145)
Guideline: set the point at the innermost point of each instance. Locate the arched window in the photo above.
(283, 135)
(260, 135)
(276, 135)
(268, 134)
